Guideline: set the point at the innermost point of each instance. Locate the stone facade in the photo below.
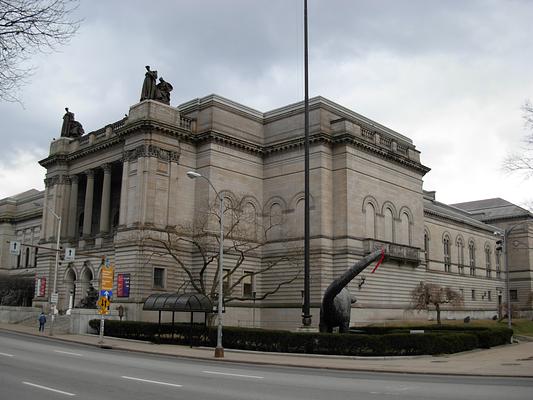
(114, 185)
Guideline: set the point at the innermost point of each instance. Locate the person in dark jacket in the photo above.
(42, 321)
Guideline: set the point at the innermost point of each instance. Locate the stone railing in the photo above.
(396, 252)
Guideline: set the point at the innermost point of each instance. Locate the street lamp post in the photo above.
(54, 297)
(219, 350)
(504, 244)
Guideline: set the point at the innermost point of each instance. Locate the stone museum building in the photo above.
(121, 188)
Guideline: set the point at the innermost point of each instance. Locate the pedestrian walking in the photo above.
(42, 321)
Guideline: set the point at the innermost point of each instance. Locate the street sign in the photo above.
(70, 254)
(103, 303)
(107, 278)
(54, 298)
(106, 293)
(14, 248)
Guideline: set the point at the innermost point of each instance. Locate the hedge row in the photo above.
(367, 342)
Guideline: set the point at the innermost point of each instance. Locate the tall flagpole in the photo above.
(306, 312)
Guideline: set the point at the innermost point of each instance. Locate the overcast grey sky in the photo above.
(450, 74)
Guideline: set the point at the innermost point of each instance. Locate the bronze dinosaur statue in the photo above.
(337, 301)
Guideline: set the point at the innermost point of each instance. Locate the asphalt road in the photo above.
(40, 368)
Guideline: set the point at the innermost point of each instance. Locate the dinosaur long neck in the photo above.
(338, 284)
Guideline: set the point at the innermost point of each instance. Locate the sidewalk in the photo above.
(510, 361)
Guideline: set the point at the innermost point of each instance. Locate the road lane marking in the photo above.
(69, 353)
(6, 355)
(228, 374)
(48, 388)
(150, 381)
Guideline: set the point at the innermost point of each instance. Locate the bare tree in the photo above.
(245, 238)
(27, 27)
(522, 161)
(427, 295)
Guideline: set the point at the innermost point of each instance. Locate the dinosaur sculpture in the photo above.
(337, 301)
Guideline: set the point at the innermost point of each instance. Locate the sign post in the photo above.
(106, 291)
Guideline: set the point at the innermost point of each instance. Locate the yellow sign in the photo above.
(103, 311)
(107, 278)
(103, 303)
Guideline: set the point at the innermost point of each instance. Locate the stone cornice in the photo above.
(448, 218)
(317, 138)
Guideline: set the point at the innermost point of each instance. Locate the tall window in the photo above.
(370, 218)
(472, 258)
(426, 248)
(487, 262)
(461, 255)
(27, 258)
(447, 258)
(389, 225)
(498, 264)
(247, 285)
(159, 278)
(35, 256)
(227, 280)
(405, 234)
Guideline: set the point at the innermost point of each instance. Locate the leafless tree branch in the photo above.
(28, 27)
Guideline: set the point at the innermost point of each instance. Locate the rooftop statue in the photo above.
(149, 85)
(337, 301)
(163, 90)
(71, 128)
(152, 90)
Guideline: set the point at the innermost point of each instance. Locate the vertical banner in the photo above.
(42, 287)
(123, 285)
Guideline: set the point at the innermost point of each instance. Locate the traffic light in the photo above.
(499, 245)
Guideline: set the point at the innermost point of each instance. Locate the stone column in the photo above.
(88, 210)
(106, 199)
(124, 193)
(73, 206)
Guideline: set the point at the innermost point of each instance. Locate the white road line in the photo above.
(228, 374)
(6, 355)
(149, 381)
(48, 388)
(69, 353)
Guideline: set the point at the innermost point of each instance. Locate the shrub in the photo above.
(372, 341)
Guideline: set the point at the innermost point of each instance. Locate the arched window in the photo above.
(472, 257)
(35, 256)
(488, 266)
(498, 263)
(389, 225)
(460, 255)
(405, 234)
(370, 221)
(249, 221)
(426, 248)
(447, 257)
(276, 220)
(27, 258)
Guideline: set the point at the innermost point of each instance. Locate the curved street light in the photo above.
(219, 350)
(54, 295)
(505, 237)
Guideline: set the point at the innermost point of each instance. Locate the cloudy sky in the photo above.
(450, 74)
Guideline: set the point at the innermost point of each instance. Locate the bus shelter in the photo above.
(185, 302)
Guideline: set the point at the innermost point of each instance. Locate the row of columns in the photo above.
(89, 201)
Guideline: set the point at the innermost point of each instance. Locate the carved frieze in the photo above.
(151, 151)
